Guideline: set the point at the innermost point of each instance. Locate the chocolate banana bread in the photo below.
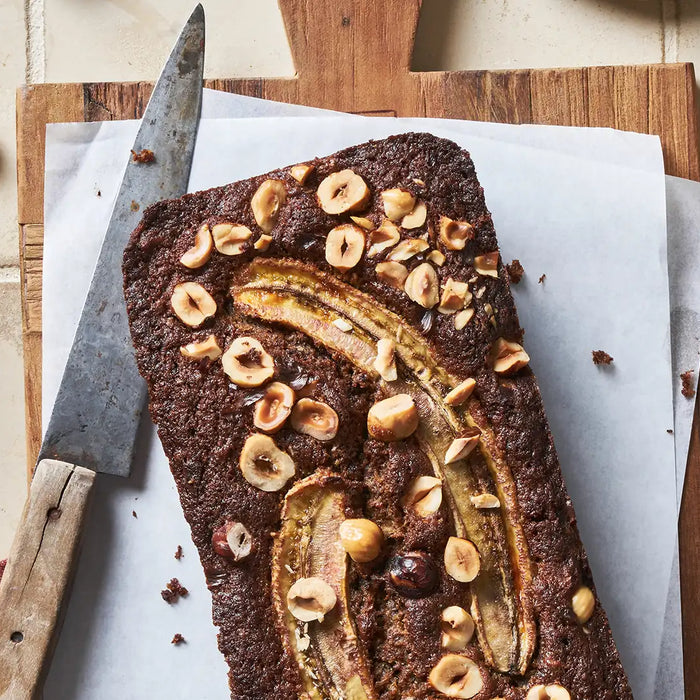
(335, 367)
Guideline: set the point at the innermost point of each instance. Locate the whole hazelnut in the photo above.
(315, 418)
(392, 419)
(232, 540)
(341, 192)
(362, 539)
(457, 628)
(413, 575)
(310, 599)
(273, 409)
(456, 676)
(583, 604)
(548, 692)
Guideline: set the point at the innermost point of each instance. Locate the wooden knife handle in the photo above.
(39, 573)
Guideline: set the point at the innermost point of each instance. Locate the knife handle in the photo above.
(38, 576)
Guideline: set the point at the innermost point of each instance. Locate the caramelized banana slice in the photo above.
(331, 660)
(297, 295)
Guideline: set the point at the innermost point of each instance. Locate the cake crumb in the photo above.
(178, 639)
(134, 205)
(133, 513)
(172, 591)
(542, 278)
(515, 271)
(142, 156)
(178, 552)
(600, 357)
(669, 431)
(99, 193)
(687, 388)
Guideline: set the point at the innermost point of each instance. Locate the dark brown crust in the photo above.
(203, 421)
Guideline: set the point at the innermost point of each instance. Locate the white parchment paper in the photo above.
(570, 206)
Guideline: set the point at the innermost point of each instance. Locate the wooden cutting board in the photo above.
(354, 56)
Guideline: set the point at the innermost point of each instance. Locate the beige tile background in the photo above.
(77, 40)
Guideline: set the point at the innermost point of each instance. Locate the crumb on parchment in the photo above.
(142, 156)
(600, 357)
(178, 552)
(542, 278)
(687, 384)
(172, 591)
(178, 639)
(515, 271)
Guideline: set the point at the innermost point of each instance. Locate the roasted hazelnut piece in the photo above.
(416, 218)
(407, 249)
(462, 560)
(487, 264)
(463, 446)
(457, 628)
(392, 419)
(315, 418)
(232, 540)
(485, 501)
(398, 203)
(200, 252)
(462, 318)
(310, 599)
(456, 676)
(436, 257)
(455, 234)
(341, 192)
(385, 362)
(246, 362)
(267, 202)
(263, 243)
(422, 285)
(363, 222)
(362, 539)
(455, 296)
(386, 236)
(192, 303)
(342, 324)
(548, 692)
(508, 357)
(208, 349)
(424, 496)
(413, 575)
(460, 393)
(264, 465)
(273, 409)
(392, 273)
(301, 172)
(583, 604)
(230, 239)
(344, 246)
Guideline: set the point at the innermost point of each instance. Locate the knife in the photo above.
(97, 410)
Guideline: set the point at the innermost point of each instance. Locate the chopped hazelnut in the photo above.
(424, 496)
(485, 501)
(549, 692)
(208, 349)
(344, 246)
(463, 446)
(456, 676)
(301, 172)
(267, 202)
(457, 628)
(310, 599)
(416, 218)
(487, 264)
(263, 243)
(342, 324)
(386, 236)
(247, 363)
(342, 192)
(315, 418)
(232, 540)
(230, 239)
(460, 393)
(398, 203)
(508, 357)
(385, 362)
(192, 303)
(264, 465)
(392, 273)
(407, 249)
(422, 285)
(454, 234)
(583, 604)
(392, 419)
(362, 539)
(462, 318)
(436, 257)
(362, 222)
(273, 409)
(199, 253)
(455, 296)
(462, 560)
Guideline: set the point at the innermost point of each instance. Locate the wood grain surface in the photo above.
(354, 56)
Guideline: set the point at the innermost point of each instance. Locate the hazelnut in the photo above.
(416, 218)
(398, 203)
(200, 252)
(315, 418)
(583, 604)
(386, 236)
(462, 318)
(266, 203)
(424, 496)
(461, 560)
(548, 692)
(192, 303)
(461, 447)
(460, 393)
(422, 285)
(385, 362)
(301, 172)
(436, 257)
(273, 409)
(485, 500)
(454, 234)
(457, 628)
(246, 362)
(407, 249)
(342, 324)
(394, 418)
(413, 575)
(232, 540)
(230, 239)
(344, 246)
(487, 264)
(455, 296)
(264, 465)
(208, 349)
(363, 222)
(342, 191)
(392, 273)
(456, 677)
(263, 243)
(508, 357)
(310, 599)
(361, 539)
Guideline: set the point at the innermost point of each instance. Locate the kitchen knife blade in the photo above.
(96, 414)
